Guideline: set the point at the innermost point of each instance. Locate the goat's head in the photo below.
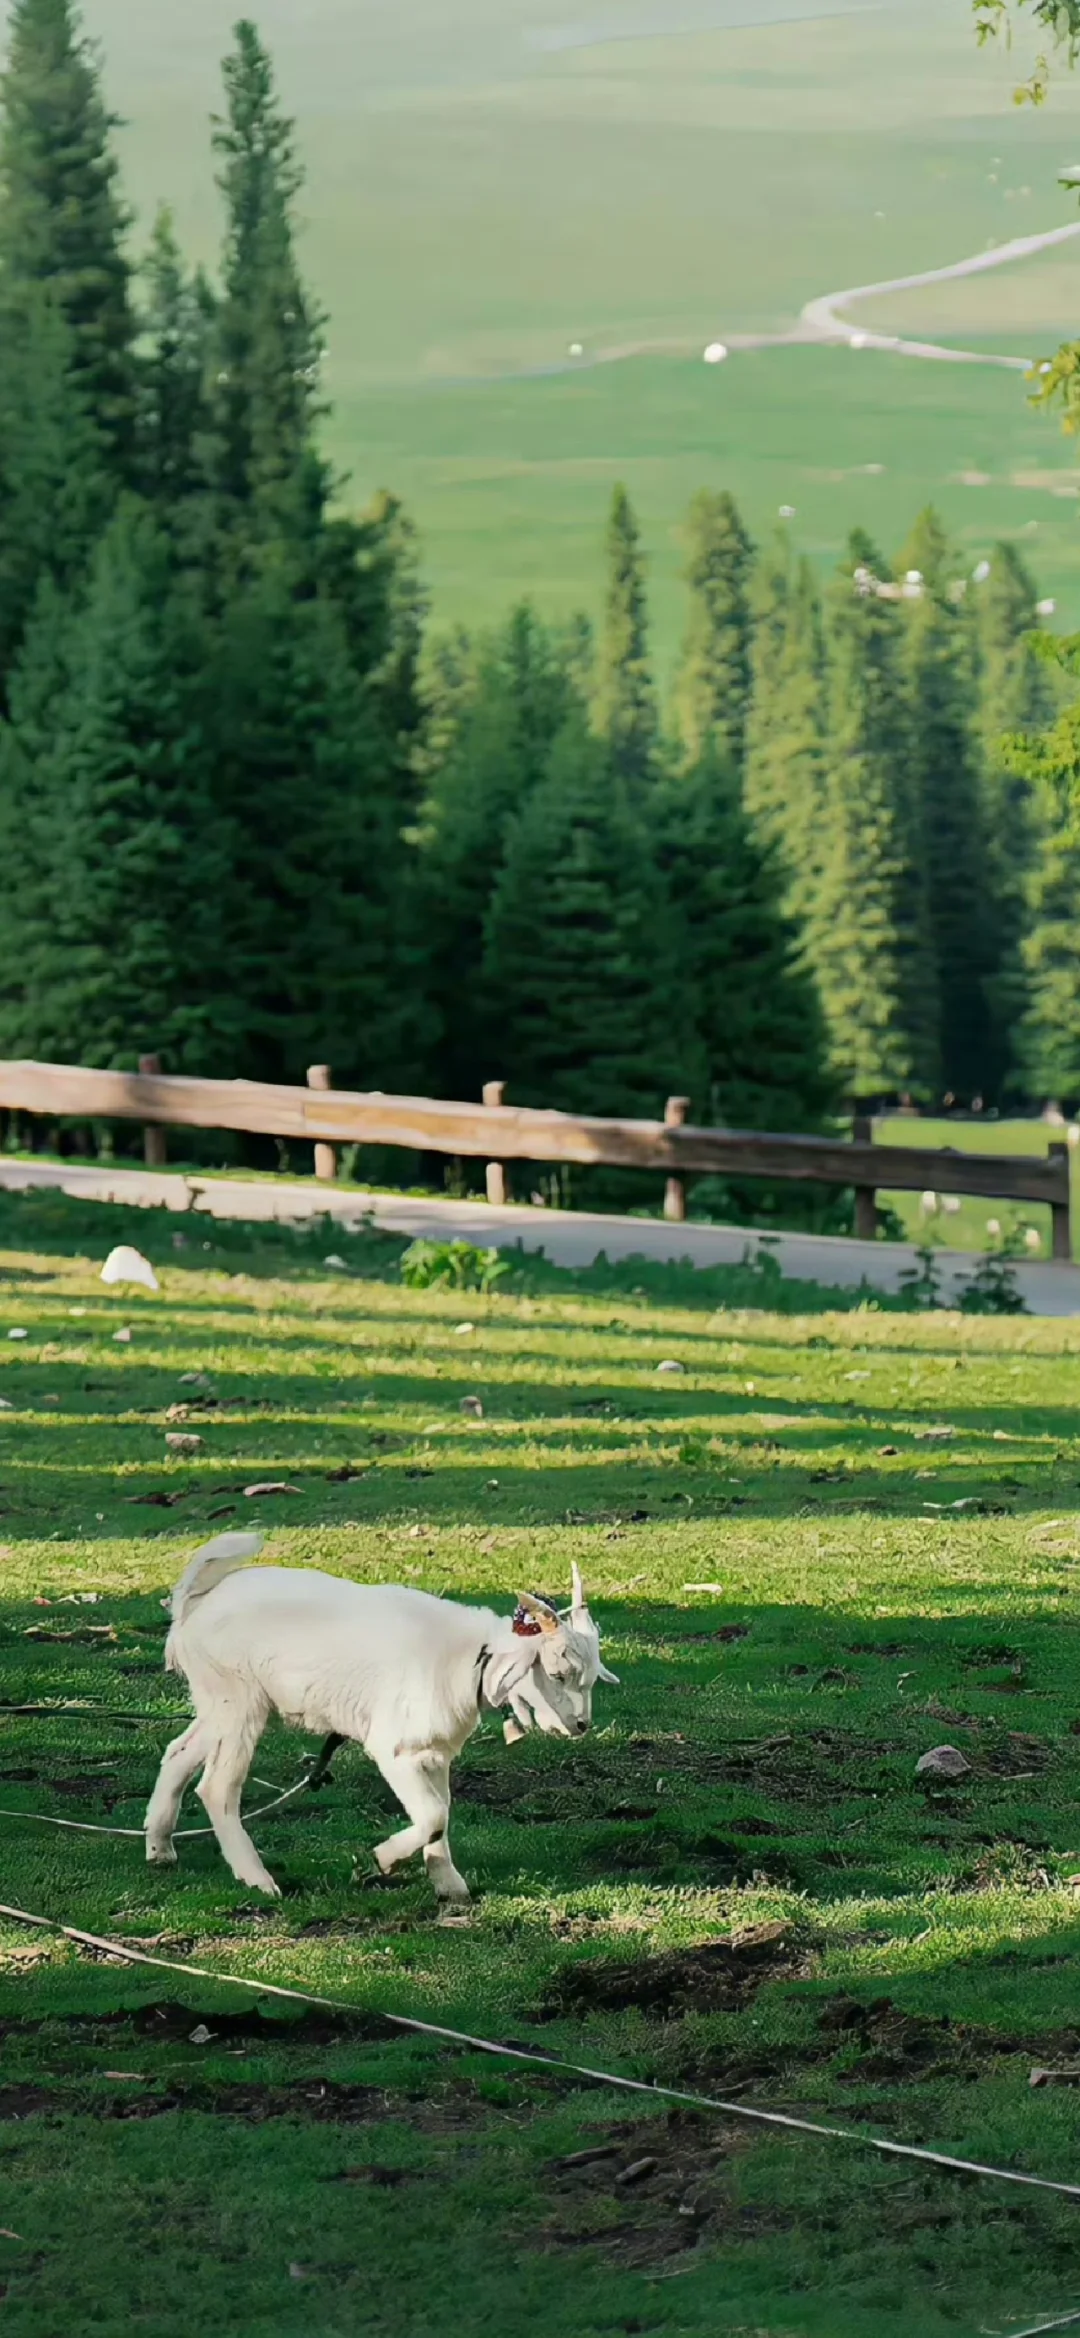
(558, 1684)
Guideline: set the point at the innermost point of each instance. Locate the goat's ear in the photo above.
(504, 1670)
(577, 1588)
(612, 1678)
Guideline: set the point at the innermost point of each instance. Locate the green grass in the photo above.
(321, 2175)
(969, 1226)
(481, 194)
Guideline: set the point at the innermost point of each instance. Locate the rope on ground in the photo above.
(611, 2078)
(87, 1826)
(1036, 2329)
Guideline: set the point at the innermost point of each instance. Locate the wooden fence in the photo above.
(499, 1133)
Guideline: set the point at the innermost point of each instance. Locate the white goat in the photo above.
(404, 1674)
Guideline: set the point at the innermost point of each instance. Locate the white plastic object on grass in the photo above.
(576, 349)
(715, 353)
(857, 340)
(1045, 608)
(334, 1261)
(125, 1265)
(787, 511)
(18, 1331)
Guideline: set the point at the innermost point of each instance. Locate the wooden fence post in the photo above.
(496, 1180)
(1060, 1213)
(155, 1150)
(318, 1076)
(866, 1217)
(675, 1111)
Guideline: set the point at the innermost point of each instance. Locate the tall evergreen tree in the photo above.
(785, 746)
(269, 335)
(522, 694)
(177, 321)
(626, 698)
(946, 782)
(870, 942)
(578, 961)
(120, 944)
(1048, 1038)
(55, 488)
(302, 780)
(713, 689)
(1047, 988)
(762, 1034)
(1016, 696)
(62, 222)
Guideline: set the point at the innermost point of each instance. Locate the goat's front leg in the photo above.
(421, 1782)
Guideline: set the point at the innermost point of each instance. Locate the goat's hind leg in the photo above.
(219, 1789)
(182, 1758)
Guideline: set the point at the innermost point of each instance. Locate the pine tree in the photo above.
(626, 711)
(762, 1034)
(55, 489)
(269, 336)
(306, 787)
(1016, 696)
(1048, 1038)
(870, 942)
(62, 222)
(714, 682)
(784, 762)
(502, 743)
(121, 866)
(945, 777)
(578, 962)
(174, 416)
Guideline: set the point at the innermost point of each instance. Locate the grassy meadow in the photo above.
(969, 1226)
(830, 1541)
(488, 183)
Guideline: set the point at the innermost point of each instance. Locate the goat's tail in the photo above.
(208, 1565)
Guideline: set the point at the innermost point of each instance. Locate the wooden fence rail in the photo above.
(499, 1133)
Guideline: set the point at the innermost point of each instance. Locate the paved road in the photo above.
(567, 1237)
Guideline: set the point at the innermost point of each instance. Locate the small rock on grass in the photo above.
(671, 1364)
(943, 1761)
(270, 1485)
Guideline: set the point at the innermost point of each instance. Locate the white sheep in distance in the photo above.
(403, 1674)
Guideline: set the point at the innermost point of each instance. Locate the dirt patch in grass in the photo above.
(714, 1978)
(643, 2194)
(171, 2023)
(889, 2043)
(315, 2101)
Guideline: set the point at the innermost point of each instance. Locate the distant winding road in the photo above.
(821, 321)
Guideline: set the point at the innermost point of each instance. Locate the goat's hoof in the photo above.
(262, 1882)
(160, 1855)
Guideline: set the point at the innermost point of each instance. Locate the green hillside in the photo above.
(490, 183)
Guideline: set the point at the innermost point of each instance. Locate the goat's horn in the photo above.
(577, 1588)
(542, 1614)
